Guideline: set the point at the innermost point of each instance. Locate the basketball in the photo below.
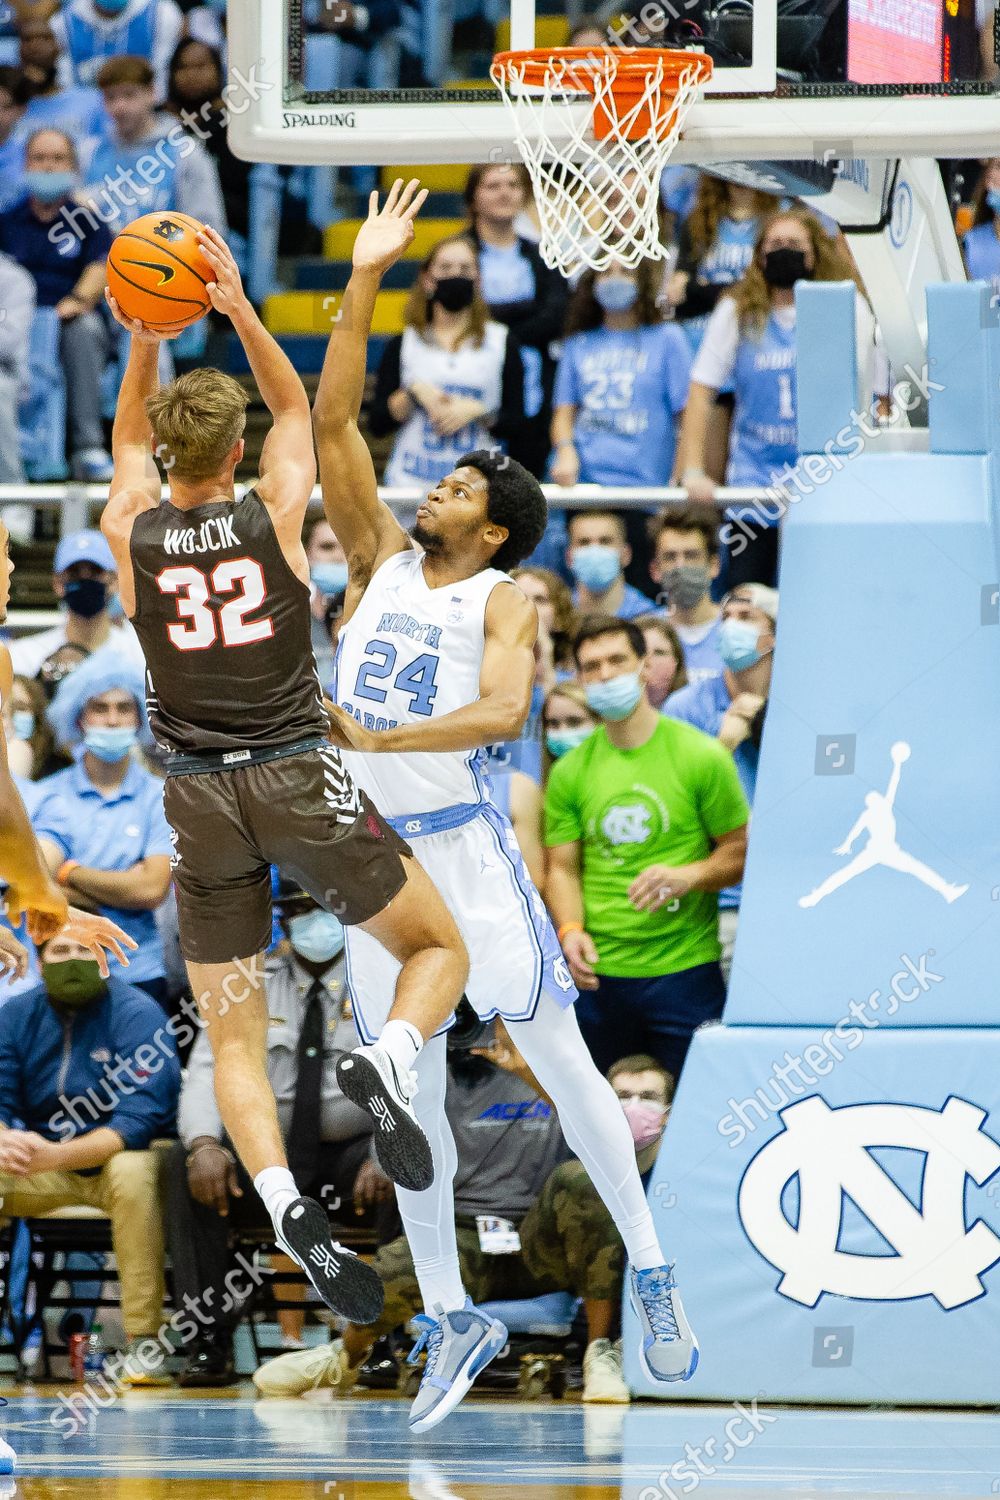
(157, 272)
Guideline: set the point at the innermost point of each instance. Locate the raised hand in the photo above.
(13, 956)
(386, 232)
(226, 291)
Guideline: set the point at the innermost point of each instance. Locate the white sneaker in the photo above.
(324, 1366)
(369, 1077)
(8, 1463)
(603, 1377)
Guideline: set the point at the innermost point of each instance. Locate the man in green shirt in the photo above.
(645, 822)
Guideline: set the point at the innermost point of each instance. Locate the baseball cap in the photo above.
(84, 546)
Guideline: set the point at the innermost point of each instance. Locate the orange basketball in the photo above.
(157, 272)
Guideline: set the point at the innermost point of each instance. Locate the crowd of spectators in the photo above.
(656, 638)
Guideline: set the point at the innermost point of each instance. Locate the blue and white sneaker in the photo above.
(8, 1463)
(459, 1345)
(669, 1350)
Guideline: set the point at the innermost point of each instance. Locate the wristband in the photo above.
(65, 870)
(209, 1146)
(693, 473)
(568, 927)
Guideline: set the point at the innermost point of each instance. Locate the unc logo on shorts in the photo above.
(829, 1151)
(627, 825)
(561, 974)
(414, 825)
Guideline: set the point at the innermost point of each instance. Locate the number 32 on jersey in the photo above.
(201, 623)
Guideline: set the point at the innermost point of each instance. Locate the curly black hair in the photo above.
(514, 499)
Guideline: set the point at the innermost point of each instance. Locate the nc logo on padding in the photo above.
(829, 1151)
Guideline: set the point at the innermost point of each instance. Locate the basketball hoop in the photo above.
(596, 178)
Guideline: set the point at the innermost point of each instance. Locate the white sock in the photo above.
(440, 1284)
(277, 1189)
(402, 1042)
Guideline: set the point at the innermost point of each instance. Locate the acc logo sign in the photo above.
(828, 1150)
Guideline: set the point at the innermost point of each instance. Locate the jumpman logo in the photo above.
(882, 848)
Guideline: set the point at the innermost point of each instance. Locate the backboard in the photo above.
(794, 79)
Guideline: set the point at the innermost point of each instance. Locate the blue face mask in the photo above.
(329, 578)
(22, 722)
(596, 567)
(737, 644)
(112, 7)
(50, 187)
(316, 936)
(561, 741)
(616, 293)
(110, 745)
(993, 200)
(616, 699)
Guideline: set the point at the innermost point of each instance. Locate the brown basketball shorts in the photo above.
(302, 813)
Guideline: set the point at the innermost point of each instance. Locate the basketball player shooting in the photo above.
(31, 891)
(436, 661)
(219, 594)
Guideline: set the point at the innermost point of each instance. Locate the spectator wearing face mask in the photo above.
(30, 749)
(83, 580)
(453, 381)
(328, 1139)
(328, 573)
(567, 721)
(100, 823)
(750, 346)
(597, 555)
(69, 273)
(89, 1071)
(665, 672)
(731, 707)
(91, 31)
(622, 383)
(645, 823)
(684, 567)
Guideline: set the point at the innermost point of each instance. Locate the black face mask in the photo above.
(455, 293)
(85, 597)
(783, 268)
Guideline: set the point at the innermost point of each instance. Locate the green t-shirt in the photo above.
(662, 804)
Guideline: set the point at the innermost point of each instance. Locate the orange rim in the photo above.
(633, 65)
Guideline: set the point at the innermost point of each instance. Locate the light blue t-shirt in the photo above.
(78, 110)
(981, 249)
(704, 705)
(110, 833)
(765, 417)
(634, 603)
(628, 387)
(149, 167)
(724, 264)
(505, 275)
(701, 656)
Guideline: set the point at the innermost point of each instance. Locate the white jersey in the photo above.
(420, 455)
(410, 653)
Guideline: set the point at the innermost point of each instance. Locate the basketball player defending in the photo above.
(218, 592)
(31, 891)
(436, 661)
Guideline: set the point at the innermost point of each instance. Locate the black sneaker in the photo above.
(210, 1362)
(346, 1284)
(369, 1078)
(380, 1371)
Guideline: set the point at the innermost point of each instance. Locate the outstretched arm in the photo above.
(366, 529)
(287, 462)
(505, 683)
(856, 832)
(135, 485)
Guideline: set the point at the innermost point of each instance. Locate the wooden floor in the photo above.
(155, 1445)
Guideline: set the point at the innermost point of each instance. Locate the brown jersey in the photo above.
(224, 625)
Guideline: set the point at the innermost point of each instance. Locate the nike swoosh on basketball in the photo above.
(167, 273)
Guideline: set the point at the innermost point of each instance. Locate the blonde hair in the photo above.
(196, 420)
(752, 295)
(711, 205)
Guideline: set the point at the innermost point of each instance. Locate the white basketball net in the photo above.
(597, 200)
